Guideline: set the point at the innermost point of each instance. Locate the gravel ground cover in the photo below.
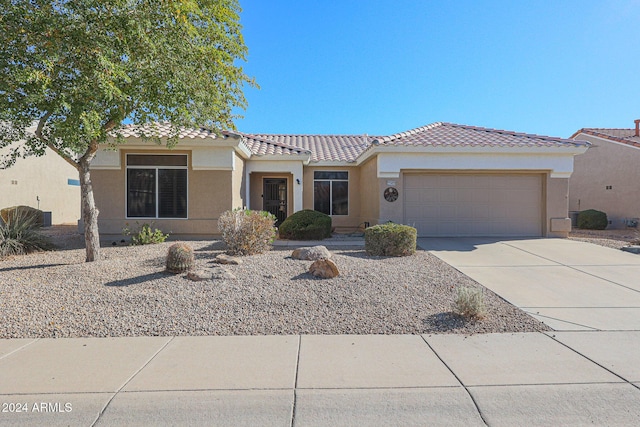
(615, 239)
(128, 293)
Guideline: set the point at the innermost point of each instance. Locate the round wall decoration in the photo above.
(391, 194)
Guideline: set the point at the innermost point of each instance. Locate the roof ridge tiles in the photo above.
(276, 143)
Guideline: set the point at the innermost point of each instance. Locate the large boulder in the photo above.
(324, 268)
(311, 253)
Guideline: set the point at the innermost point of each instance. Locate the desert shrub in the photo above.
(180, 258)
(592, 219)
(144, 235)
(470, 303)
(306, 224)
(25, 212)
(20, 234)
(390, 240)
(247, 232)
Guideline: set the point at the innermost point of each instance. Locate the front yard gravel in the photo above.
(128, 293)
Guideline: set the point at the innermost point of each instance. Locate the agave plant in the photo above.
(20, 234)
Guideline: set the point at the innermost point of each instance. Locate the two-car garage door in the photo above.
(473, 204)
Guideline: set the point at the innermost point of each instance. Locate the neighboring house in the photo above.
(607, 176)
(47, 183)
(444, 179)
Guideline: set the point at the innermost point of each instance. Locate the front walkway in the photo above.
(567, 284)
(566, 378)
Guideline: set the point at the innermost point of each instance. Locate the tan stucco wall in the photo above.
(556, 205)
(238, 183)
(210, 194)
(369, 193)
(342, 223)
(256, 186)
(45, 178)
(607, 163)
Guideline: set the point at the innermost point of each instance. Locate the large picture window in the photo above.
(331, 192)
(156, 186)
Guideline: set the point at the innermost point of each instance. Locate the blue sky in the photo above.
(385, 66)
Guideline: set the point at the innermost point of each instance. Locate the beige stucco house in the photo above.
(48, 183)
(444, 179)
(607, 176)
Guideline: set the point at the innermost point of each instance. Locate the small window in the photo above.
(156, 186)
(331, 192)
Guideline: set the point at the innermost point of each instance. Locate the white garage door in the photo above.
(473, 204)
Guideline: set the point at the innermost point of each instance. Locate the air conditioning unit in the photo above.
(631, 222)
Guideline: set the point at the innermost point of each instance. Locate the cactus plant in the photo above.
(180, 258)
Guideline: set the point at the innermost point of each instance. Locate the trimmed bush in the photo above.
(20, 234)
(247, 232)
(470, 303)
(35, 216)
(592, 219)
(390, 240)
(306, 224)
(180, 258)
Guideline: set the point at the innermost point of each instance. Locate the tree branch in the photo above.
(49, 144)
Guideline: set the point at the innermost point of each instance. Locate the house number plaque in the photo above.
(391, 194)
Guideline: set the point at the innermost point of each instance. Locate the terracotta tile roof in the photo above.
(625, 136)
(449, 134)
(347, 148)
(337, 148)
(163, 130)
(260, 145)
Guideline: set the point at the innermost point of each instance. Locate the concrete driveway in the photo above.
(567, 284)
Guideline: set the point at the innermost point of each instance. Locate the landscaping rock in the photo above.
(324, 268)
(200, 275)
(227, 259)
(210, 274)
(311, 253)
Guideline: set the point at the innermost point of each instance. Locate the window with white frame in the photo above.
(156, 186)
(331, 192)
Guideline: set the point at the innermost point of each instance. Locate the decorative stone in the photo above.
(210, 274)
(227, 259)
(311, 253)
(324, 268)
(200, 275)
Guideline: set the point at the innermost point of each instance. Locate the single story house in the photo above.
(445, 179)
(607, 176)
(47, 183)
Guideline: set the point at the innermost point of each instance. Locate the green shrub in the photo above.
(306, 225)
(592, 219)
(247, 232)
(390, 240)
(470, 303)
(20, 234)
(25, 212)
(180, 258)
(144, 235)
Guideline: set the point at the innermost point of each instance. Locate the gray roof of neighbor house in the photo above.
(347, 148)
(625, 136)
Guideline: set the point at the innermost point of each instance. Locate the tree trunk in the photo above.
(89, 212)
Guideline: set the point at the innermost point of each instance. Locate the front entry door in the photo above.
(274, 198)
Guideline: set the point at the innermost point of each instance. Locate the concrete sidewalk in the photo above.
(567, 284)
(569, 378)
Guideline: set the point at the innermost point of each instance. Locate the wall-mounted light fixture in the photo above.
(298, 181)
